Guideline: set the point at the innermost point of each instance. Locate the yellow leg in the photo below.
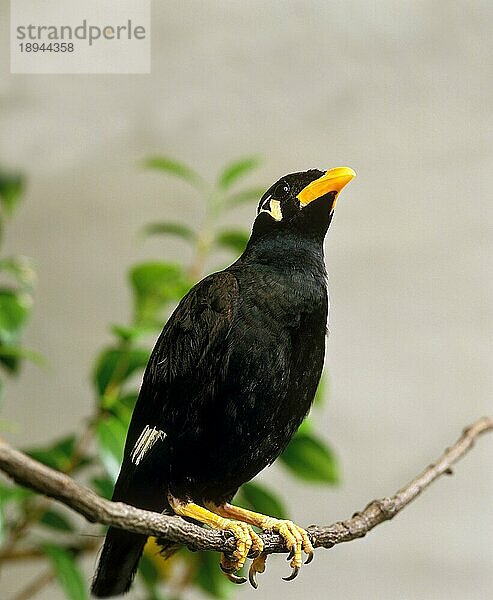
(296, 538)
(243, 533)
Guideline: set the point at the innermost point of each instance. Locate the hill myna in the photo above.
(231, 377)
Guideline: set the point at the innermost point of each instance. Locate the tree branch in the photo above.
(32, 474)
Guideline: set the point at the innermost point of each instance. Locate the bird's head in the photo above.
(301, 203)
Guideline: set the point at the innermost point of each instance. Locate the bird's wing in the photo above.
(181, 371)
(187, 358)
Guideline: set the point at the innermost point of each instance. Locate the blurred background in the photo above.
(402, 92)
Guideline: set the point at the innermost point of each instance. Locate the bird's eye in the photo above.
(282, 191)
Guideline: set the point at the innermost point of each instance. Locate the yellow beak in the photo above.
(331, 181)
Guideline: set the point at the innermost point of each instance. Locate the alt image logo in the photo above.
(65, 36)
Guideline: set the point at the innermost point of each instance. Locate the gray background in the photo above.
(400, 91)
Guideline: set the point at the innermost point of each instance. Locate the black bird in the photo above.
(231, 377)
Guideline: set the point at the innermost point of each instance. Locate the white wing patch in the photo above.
(147, 439)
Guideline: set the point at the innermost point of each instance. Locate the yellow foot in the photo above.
(296, 538)
(253, 545)
(246, 538)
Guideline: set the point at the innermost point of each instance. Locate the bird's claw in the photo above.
(297, 541)
(246, 540)
(294, 573)
(257, 566)
(231, 576)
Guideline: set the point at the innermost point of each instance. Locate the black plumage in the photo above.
(234, 371)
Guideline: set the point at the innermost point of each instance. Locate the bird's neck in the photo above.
(287, 251)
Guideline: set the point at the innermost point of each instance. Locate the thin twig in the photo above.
(36, 585)
(30, 473)
(39, 508)
(34, 552)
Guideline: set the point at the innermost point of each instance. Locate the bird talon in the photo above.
(294, 574)
(238, 580)
(252, 578)
(224, 565)
(229, 565)
(249, 543)
(257, 566)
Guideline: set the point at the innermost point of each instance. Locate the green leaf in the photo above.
(233, 172)
(15, 307)
(244, 197)
(176, 168)
(58, 455)
(115, 365)
(131, 334)
(234, 239)
(11, 188)
(14, 310)
(208, 576)
(3, 525)
(258, 498)
(306, 427)
(111, 434)
(309, 458)
(148, 572)
(155, 284)
(18, 352)
(13, 493)
(67, 571)
(322, 390)
(103, 486)
(20, 267)
(55, 520)
(10, 363)
(128, 400)
(10, 494)
(176, 229)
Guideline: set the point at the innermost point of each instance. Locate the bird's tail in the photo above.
(118, 563)
(143, 486)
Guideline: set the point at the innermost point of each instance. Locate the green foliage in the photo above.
(234, 240)
(53, 519)
(208, 577)
(16, 285)
(67, 571)
(176, 168)
(322, 391)
(236, 170)
(150, 576)
(57, 455)
(11, 189)
(309, 458)
(14, 311)
(21, 269)
(117, 364)
(260, 499)
(10, 495)
(248, 196)
(103, 486)
(170, 228)
(156, 287)
(111, 433)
